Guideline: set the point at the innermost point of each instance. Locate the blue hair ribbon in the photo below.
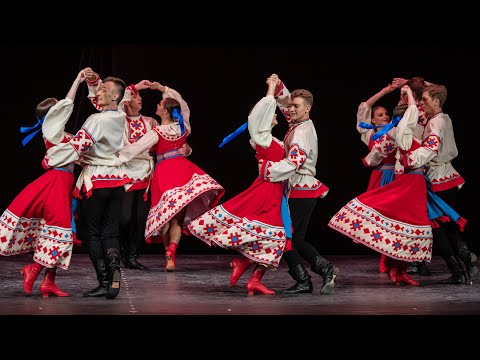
(25, 129)
(233, 135)
(385, 128)
(178, 116)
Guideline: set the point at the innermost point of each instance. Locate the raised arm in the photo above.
(171, 93)
(94, 84)
(260, 119)
(282, 96)
(82, 75)
(405, 127)
(53, 127)
(364, 112)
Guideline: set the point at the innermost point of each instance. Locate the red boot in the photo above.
(382, 266)
(392, 268)
(30, 273)
(403, 277)
(239, 265)
(48, 285)
(170, 255)
(392, 275)
(254, 284)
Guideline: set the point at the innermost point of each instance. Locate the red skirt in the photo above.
(40, 220)
(249, 223)
(178, 184)
(392, 219)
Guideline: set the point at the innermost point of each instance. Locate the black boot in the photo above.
(95, 251)
(301, 276)
(423, 269)
(470, 260)
(458, 275)
(101, 289)
(132, 263)
(132, 246)
(412, 268)
(322, 267)
(123, 256)
(114, 275)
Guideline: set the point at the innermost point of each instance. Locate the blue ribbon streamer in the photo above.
(73, 207)
(387, 177)
(26, 129)
(233, 135)
(384, 128)
(286, 219)
(437, 207)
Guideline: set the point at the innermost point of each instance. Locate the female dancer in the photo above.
(40, 218)
(180, 190)
(393, 219)
(251, 222)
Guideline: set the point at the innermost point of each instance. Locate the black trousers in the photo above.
(133, 221)
(300, 212)
(101, 218)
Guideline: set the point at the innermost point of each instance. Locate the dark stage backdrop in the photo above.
(221, 83)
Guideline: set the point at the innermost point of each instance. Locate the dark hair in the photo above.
(399, 110)
(416, 84)
(171, 104)
(44, 106)
(119, 87)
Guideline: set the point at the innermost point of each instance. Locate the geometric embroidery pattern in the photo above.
(136, 129)
(170, 137)
(174, 200)
(432, 142)
(82, 141)
(297, 156)
(385, 145)
(260, 242)
(396, 239)
(446, 179)
(52, 245)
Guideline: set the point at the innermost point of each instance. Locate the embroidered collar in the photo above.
(298, 123)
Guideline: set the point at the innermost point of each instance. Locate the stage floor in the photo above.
(200, 286)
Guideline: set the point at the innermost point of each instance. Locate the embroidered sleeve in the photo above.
(422, 156)
(380, 150)
(131, 151)
(93, 87)
(284, 169)
(282, 95)
(422, 115)
(404, 134)
(260, 121)
(53, 127)
(429, 148)
(364, 114)
(65, 153)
